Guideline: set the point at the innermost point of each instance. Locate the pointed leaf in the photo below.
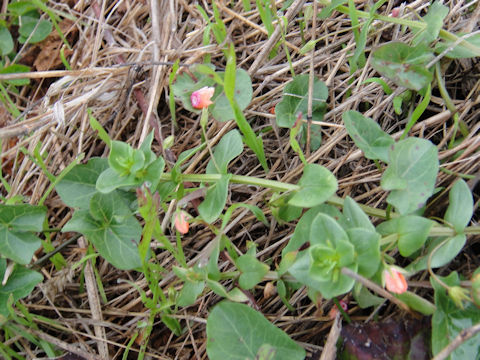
(236, 331)
(317, 185)
(411, 174)
(17, 224)
(252, 271)
(215, 200)
(355, 216)
(115, 235)
(460, 209)
(78, 186)
(229, 147)
(412, 232)
(20, 283)
(221, 109)
(403, 64)
(368, 135)
(434, 19)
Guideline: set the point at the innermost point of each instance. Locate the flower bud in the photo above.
(458, 295)
(180, 221)
(395, 281)
(201, 98)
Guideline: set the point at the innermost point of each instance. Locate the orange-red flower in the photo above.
(201, 98)
(395, 281)
(181, 223)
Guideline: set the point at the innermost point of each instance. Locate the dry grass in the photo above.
(114, 51)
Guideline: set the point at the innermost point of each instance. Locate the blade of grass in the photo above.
(171, 97)
(251, 140)
(418, 112)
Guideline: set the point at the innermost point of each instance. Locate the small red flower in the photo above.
(181, 223)
(395, 281)
(201, 98)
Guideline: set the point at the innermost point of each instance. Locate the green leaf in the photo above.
(367, 250)
(327, 10)
(442, 256)
(301, 235)
(20, 8)
(404, 65)
(17, 224)
(368, 135)
(78, 186)
(112, 229)
(236, 331)
(6, 41)
(434, 19)
(121, 158)
(411, 174)
(364, 297)
(13, 69)
(386, 89)
(460, 209)
(317, 185)
(110, 180)
(266, 352)
(189, 293)
(215, 200)
(319, 266)
(412, 232)
(417, 303)
(449, 320)
(39, 29)
(20, 283)
(467, 48)
(151, 175)
(222, 110)
(251, 140)
(252, 271)
(295, 100)
(355, 216)
(229, 147)
(172, 324)
(229, 80)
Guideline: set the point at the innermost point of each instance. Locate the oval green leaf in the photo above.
(20, 283)
(368, 135)
(317, 185)
(460, 209)
(295, 100)
(404, 65)
(411, 174)
(236, 331)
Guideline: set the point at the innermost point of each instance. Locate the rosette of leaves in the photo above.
(130, 167)
(333, 241)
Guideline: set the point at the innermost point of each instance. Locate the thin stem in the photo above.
(334, 200)
(372, 286)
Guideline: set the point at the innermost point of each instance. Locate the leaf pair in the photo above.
(413, 163)
(105, 219)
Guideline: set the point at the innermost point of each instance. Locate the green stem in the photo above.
(334, 200)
